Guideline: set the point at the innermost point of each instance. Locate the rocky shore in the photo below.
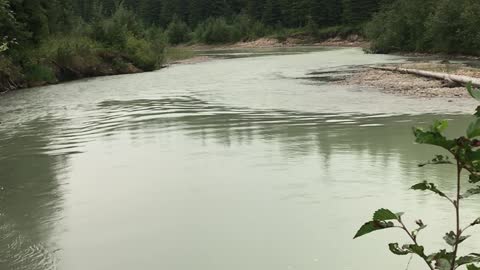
(411, 85)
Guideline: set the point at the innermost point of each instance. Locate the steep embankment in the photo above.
(73, 68)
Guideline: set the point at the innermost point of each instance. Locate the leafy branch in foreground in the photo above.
(465, 151)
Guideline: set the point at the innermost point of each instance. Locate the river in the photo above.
(252, 160)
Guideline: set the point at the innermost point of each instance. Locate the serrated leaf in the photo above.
(384, 214)
(442, 254)
(429, 186)
(474, 178)
(438, 160)
(471, 258)
(397, 250)
(432, 138)
(372, 226)
(451, 238)
(443, 264)
(472, 267)
(471, 192)
(473, 129)
(416, 249)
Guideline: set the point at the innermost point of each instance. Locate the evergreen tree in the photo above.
(272, 14)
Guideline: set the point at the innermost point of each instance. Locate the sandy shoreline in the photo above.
(386, 81)
(265, 43)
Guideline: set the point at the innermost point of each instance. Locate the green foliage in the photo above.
(40, 73)
(143, 53)
(214, 30)
(372, 226)
(178, 32)
(465, 151)
(447, 26)
(428, 186)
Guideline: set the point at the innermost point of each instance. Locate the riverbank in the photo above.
(75, 66)
(270, 42)
(411, 85)
(85, 61)
(388, 82)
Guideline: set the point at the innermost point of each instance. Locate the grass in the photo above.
(173, 54)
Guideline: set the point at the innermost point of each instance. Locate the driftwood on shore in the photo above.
(459, 79)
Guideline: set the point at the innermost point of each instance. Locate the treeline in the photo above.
(44, 41)
(54, 40)
(444, 26)
(285, 13)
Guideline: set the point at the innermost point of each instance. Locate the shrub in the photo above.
(258, 30)
(465, 151)
(178, 32)
(214, 30)
(142, 53)
(40, 73)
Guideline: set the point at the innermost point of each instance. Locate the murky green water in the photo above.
(237, 163)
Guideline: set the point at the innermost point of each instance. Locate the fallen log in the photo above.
(463, 80)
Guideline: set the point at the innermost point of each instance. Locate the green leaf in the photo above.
(442, 254)
(439, 126)
(472, 267)
(474, 129)
(419, 250)
(475, 93)
(471, 192)
(421, 226)
(429, 186)
(432, 138)
(451, 238)
(438, 160)
(476, 222)
(471, 258)
(384, 214)
(407, 249)
(473, 155)
(372, 226)
(397, 250)
(474, 178)
(443, 264)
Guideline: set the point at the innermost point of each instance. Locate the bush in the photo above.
(178, 32)
(214, 31)
(40, 73)
(462, 153)
(258, 30)
(143, 54)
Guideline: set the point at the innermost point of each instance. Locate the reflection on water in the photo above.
(173, 177)
(30, 197)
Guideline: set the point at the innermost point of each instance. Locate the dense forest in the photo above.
(446, 26)
(44, 41)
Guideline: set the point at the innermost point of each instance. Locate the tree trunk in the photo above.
(463, 80)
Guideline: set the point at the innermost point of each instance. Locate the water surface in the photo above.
(248, 161)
